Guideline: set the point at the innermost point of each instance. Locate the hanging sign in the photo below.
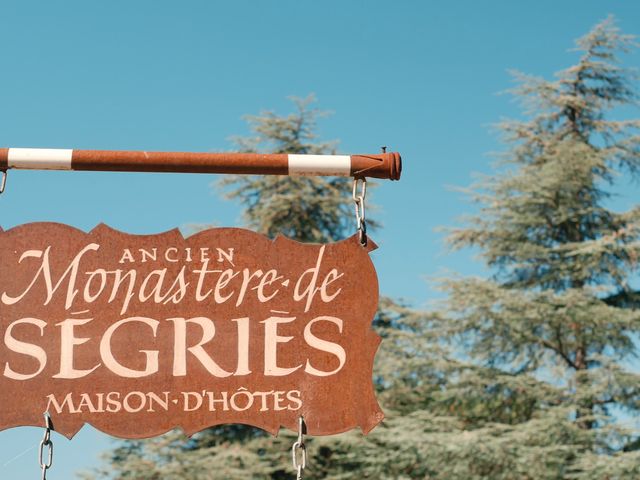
(137, 335)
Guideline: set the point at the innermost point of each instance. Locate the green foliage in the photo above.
(308, 209)
(556, 322)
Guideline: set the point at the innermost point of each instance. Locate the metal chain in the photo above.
(46, 444)
(358, 200)
(299, 450)
(3, 181)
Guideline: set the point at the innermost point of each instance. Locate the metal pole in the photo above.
(381, 165)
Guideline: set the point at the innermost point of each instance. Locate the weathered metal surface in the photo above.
(381, 165)
(137, 335)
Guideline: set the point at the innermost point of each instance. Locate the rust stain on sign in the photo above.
(137, 335)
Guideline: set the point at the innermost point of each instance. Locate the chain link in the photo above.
(3, 181)
(360, 185)
(46, 444)
(299, 450)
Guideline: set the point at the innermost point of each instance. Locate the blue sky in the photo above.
(420, 77)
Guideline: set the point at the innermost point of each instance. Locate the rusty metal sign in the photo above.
(137, 335)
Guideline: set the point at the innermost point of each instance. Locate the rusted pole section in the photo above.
(380, 165)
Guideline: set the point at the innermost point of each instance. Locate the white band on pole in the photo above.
(339, 165)
(40, 158)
